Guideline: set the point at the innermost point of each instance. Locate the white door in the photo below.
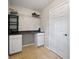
(59, 30)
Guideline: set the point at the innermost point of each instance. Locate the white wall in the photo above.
(45, 18)
(26, 21)
(23, 11)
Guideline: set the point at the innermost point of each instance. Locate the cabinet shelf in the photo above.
(12, 23)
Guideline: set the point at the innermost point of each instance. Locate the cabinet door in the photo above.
(11, 45)
(41, 40)
(15, 43)
(18, 43)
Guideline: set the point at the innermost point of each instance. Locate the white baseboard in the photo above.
(28, 45)
(53, 51)
(56, 53)
(46, 46)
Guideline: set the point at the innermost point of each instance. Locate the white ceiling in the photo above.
(31, 4)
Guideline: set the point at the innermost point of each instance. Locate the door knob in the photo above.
(65, 34)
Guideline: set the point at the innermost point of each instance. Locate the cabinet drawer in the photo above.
(15, 36)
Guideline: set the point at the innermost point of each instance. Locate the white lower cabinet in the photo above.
(39, 39)
(15, 43)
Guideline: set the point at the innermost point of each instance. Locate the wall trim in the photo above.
(28, 45)
(56, 53)
(46, 47)
(53, 51)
